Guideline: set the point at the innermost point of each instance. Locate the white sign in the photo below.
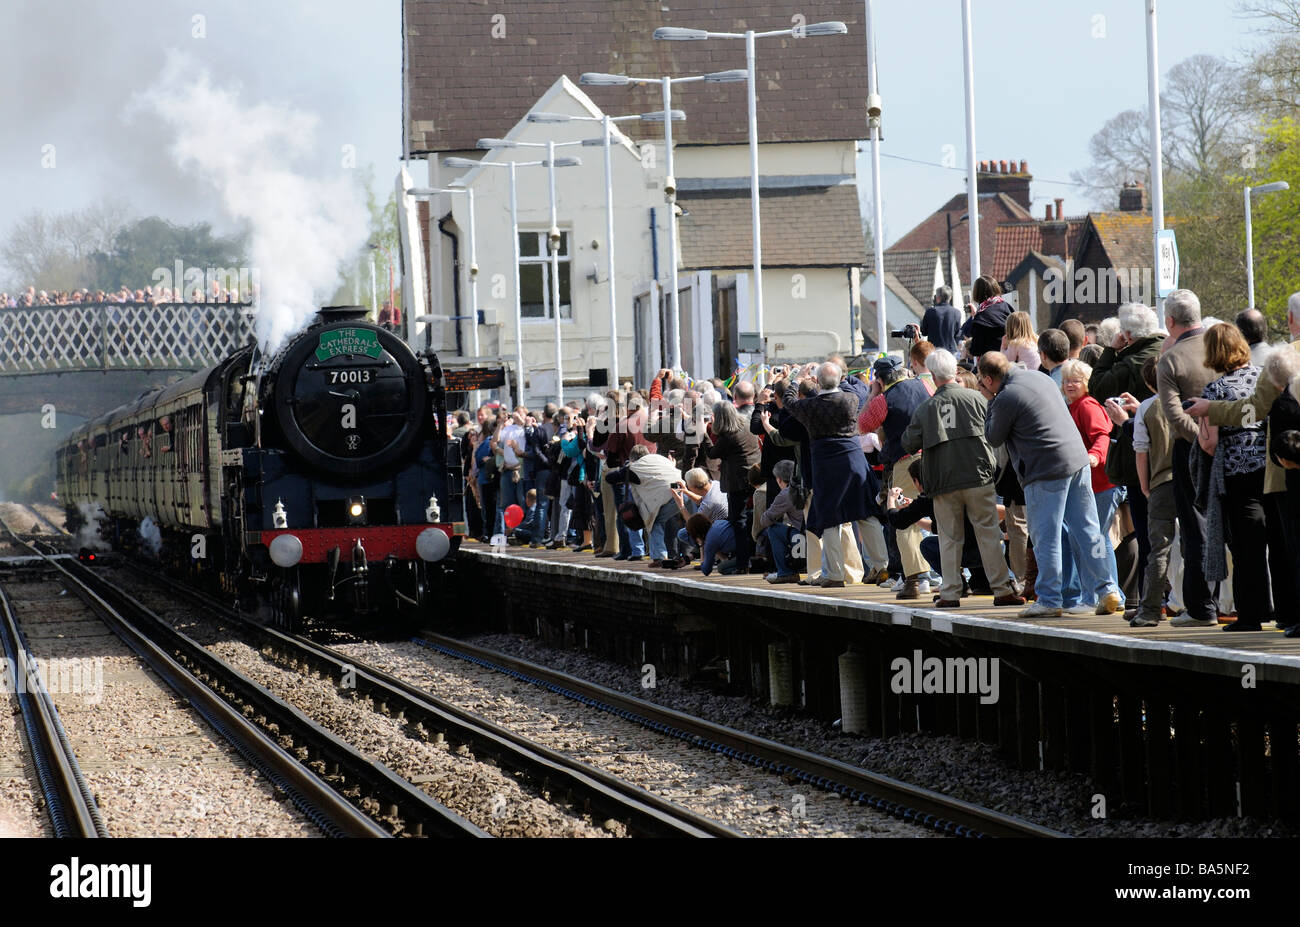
(1166, 263)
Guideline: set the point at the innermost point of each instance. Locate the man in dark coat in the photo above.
(839, 468)
(942, 321)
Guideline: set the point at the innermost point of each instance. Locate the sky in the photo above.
(1048, 73)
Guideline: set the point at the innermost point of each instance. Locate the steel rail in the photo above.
(924, 807)
(603, 794)
(68, 799)
(222, 695)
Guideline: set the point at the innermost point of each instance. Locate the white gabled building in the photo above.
(466, 81)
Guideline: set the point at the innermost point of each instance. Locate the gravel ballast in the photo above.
(752, 801)
(969, 771)
(476, 789)
(154, 767)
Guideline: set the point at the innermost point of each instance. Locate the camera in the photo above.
(911, 331)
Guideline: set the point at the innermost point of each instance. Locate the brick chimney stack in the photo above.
(1009, 177)
(1132, 197)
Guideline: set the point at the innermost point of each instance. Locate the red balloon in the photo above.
(514, 515)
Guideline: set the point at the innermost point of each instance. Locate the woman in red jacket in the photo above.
(1094, 427)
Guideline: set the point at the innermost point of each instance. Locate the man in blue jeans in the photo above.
(1052, 464)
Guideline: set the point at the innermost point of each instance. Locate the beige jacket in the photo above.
(1182, 374)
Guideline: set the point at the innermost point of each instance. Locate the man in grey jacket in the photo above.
(957, 471)
(1024, 413)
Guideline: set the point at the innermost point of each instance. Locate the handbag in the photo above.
(630, 514)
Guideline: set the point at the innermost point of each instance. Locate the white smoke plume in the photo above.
(302, 228)
(150, 536)
(92, 517)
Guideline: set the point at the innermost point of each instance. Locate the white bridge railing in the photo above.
(120, 336)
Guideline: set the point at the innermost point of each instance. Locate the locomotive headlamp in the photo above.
(357, 510)
(279, 517)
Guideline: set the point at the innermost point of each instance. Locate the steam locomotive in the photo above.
(312, 482)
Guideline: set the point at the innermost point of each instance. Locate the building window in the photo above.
(535, 276)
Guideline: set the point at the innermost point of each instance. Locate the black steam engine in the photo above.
(315, 479)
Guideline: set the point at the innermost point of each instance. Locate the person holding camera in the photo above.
(958, 468)
(736, 449)
(839, 468)
(895, 398)
(988, 317)
(942, 321)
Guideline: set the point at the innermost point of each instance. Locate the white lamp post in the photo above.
(1276, 187)
(596, 79)
(689, 35)
(972, 178)
(552, 237)
(605, 141)
(514, 237)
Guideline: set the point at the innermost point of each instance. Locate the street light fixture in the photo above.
(552, 237)
(514, 228)
(673, 33)
(596, 79)
(605, 141)
(1276, 187)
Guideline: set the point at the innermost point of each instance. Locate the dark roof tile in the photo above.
(472, 85)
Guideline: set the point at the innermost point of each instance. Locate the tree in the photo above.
(1275, 219)
(53, 252)
(1202, 127)
(1120, 154)
(153, 244)
(1202, 115)
(1273, 89)
(384, 233)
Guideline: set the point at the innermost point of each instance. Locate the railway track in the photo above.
(68, 799)
(328, 781)
(602, 795)
(920, 806)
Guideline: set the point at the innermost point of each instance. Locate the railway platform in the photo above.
(1174, 723)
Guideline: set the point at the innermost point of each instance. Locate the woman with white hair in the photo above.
(1094, 428)
(1119, 370)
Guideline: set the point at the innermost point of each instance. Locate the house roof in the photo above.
(1035, 260)
(1125, 237)
(1014, 240)
(914, 270)
(802, 227)
(475, 66)
(932, 232)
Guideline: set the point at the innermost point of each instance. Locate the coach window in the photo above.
(535, 277)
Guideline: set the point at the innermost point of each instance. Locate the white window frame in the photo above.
(543, 258)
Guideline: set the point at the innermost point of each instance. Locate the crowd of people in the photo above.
(152, 296)
(1142, 467)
